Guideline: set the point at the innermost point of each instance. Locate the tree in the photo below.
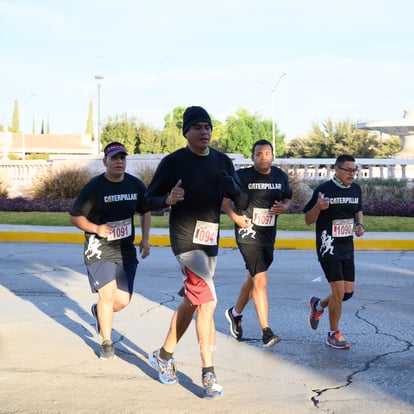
(349, 139)
(149, 140)
(244, 129)
(123, 129)
(171, 137)
(175, 118)
(331, 139)
(89, 122)
(15, 119)
(389, 146)
(217, 138)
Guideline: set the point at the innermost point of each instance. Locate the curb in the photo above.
(226, 242)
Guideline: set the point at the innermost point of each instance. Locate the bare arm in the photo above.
(312, 215)
(227, 207)
(359, 226)
(82, 223)
(145, 220)
(280, 207)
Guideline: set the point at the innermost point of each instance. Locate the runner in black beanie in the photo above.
(194, 114)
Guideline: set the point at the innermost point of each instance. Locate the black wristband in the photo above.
(360, 224)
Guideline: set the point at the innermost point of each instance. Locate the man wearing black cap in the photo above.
(193, 181)
(104, 210)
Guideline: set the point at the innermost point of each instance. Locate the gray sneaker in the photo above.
(166, 369)
(211, 388)
(107, 350)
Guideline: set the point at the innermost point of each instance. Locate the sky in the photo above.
(350, 60)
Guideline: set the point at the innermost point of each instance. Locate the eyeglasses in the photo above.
(349, 170)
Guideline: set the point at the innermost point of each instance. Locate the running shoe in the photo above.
(269, 338)
(336, 340)
(314, 315)
(166, 369)
(235, 324)
(107, 350)
(211, 388)
(94, 311)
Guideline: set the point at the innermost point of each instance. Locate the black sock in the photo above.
(165, 355)
(207, 369)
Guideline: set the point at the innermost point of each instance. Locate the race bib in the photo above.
(263, 217)
(342, 228)
(120, 229)
(205, 233)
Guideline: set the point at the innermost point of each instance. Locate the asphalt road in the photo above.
(48, 348)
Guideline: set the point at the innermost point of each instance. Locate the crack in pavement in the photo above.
(319, 391)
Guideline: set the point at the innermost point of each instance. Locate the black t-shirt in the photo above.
(102, 201)
(193, 221)
(263, 191)
(334, 226)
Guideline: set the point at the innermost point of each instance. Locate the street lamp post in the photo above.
(23, 135)
(99, 81)
(273, 92)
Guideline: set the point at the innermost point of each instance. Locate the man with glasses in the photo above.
(336, 208)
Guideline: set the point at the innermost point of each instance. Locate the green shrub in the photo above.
(62, 184)
(376, 189)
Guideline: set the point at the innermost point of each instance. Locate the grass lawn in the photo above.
(292, 222)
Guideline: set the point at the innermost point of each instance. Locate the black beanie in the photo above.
(194, 114)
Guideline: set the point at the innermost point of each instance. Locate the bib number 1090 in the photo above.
(342, 228)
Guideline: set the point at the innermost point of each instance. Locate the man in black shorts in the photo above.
(104, 210)
(255, 229)
(336, 207)
(193, 181)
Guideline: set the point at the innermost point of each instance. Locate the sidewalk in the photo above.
(160, 237)
(48, 346)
